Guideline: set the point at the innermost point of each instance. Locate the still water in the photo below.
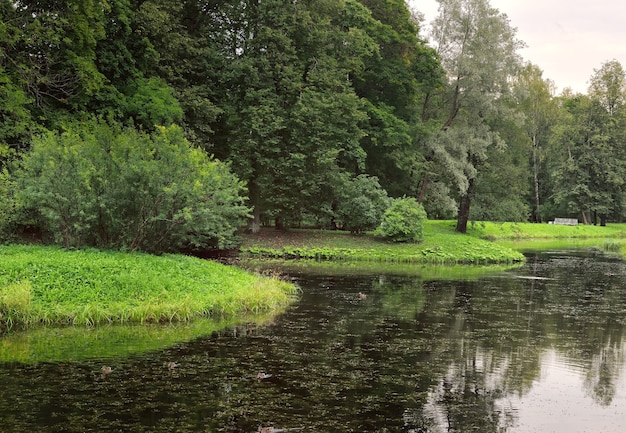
(539, 348)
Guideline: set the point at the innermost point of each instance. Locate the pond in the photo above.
(539, 348)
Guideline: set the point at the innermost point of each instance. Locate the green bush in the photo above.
(403, 221)
(361, 204)
(100, 185)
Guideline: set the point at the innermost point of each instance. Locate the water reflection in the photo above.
(538, 348)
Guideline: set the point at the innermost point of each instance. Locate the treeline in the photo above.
(320, 109)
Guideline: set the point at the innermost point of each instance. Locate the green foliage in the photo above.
(152, 103)
(478, 48)
(16, 120)
(403, 221)
(361, 203)
(7, 204)
(99, 185)
(47, 285)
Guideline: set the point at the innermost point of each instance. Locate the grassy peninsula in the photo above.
(441, 245)
(50, 286)
(484, 243)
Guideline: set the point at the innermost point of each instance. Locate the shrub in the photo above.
(99, 185)
(361, 204)
(403, 221)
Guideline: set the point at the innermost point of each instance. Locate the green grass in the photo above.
(497, 231)
(441, 245)
(484, 243)
(50, 286)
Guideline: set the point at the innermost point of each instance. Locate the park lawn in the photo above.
(441, 245)
(50, 286)
(517, 231)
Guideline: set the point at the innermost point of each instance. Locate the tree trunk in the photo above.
(464, 209)
(584, 217)
(536, 217)
(423, 187)
(278, 223)
(254, 223)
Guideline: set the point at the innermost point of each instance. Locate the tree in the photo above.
(291, 122)
(588, 165)
(393, 82)
(478, 50)
(534, 97)
(49, 51)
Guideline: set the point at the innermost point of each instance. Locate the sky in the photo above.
(566, 39)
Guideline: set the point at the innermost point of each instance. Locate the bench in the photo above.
(566, 221)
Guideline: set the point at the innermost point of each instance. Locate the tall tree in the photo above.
(478, 50)
(291, 121)
(535, 99)
(393, 83)
(589, 163)
(48, 50)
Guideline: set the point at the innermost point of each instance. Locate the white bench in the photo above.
(566, 221)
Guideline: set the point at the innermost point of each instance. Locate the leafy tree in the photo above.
(104, 186)
(534, 97)
(588, 164)
(393, 82)
(478, 50)
(292, 122)
(49, 50)
(16, 123)
(7, 204)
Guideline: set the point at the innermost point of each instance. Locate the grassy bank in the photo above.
(441, 245)
(519, 231)
(48, 285)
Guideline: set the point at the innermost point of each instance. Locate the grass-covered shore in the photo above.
(50, 286)
(442, 245)
(520, 231)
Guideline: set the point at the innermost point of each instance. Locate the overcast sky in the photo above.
(567, 39)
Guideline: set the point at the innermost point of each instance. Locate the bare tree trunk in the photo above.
(536, 217)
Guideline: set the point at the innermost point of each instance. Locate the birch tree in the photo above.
(535, 98)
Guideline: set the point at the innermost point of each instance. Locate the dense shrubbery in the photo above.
(403, 221)
(362, 202)
(103, 186)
